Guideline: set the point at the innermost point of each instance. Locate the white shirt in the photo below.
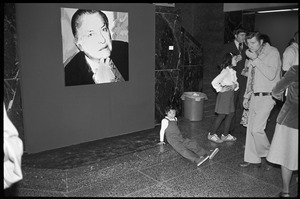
(13, 151)
(164, 125)
(227, 77)
(237, 44)
(290, 56)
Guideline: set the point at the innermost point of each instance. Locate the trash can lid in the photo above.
(194, 95)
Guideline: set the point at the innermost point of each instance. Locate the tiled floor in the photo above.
(134, 165)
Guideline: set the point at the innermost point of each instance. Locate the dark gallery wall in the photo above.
(56, 116)
(280, 27)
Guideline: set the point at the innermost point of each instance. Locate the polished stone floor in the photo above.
(134, 165)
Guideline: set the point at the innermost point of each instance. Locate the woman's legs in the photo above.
(217, 123)
(286, 179)
(227, 123)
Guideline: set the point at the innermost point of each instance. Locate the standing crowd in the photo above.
(261, 77)
(252, 77)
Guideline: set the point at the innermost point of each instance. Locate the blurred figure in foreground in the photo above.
(284, 146)
(13, 151)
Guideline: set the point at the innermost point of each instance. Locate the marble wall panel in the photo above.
(168, 89)
(249, 20)
(167, 35)
(176, 70)
(193, 52)
(232, 21)
(12, 90)
(11, 68)
(192, 78)
(168, 76)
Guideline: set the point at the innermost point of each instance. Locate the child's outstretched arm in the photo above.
(164, 125)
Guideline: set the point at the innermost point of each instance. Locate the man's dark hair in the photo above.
(170, 107)
(226, 61)
(256, 34)
(239, 30)
(79, 13)
(265, 38)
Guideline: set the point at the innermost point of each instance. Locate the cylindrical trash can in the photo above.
(193, 105)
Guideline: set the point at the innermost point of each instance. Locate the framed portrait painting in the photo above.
(95, 46)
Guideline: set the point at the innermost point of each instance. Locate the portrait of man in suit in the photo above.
(98, 49)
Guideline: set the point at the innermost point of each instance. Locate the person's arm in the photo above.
(287, 59)
(272, 67)
(248, 90)
(284, 82)
(216, 83)
(237, 86)
(164, 125)
(235, 82)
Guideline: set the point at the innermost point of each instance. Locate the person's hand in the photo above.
(161, 148)
(106, 61)
(161, 143)
(246, 103)
(238, 58)
(251, 55)
(103, 73)
(227, 88)
(234, 86)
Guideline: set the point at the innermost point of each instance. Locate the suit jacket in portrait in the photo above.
(78, 72)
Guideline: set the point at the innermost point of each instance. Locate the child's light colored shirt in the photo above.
(164, 126)
(227, 77)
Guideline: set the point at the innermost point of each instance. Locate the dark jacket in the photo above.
(288, 114)
(78, 72)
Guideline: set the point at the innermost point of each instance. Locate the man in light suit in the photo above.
(264, 72)
(238, 47)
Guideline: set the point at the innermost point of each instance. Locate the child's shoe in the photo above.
(215, 138)
(213, 153)
(228, 138)
(201, 160)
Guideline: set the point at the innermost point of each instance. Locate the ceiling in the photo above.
(229, 7)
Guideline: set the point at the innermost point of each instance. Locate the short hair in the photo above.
(255, 34)
(170, 107)
(239, 30)
(265, 38)
(79, 13)
(227, 60)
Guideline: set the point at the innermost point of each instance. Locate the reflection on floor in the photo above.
(134, 165)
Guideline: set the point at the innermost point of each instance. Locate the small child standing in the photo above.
(225, 84)
(188, 148)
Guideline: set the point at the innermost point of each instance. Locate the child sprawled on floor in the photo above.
(188, 148)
